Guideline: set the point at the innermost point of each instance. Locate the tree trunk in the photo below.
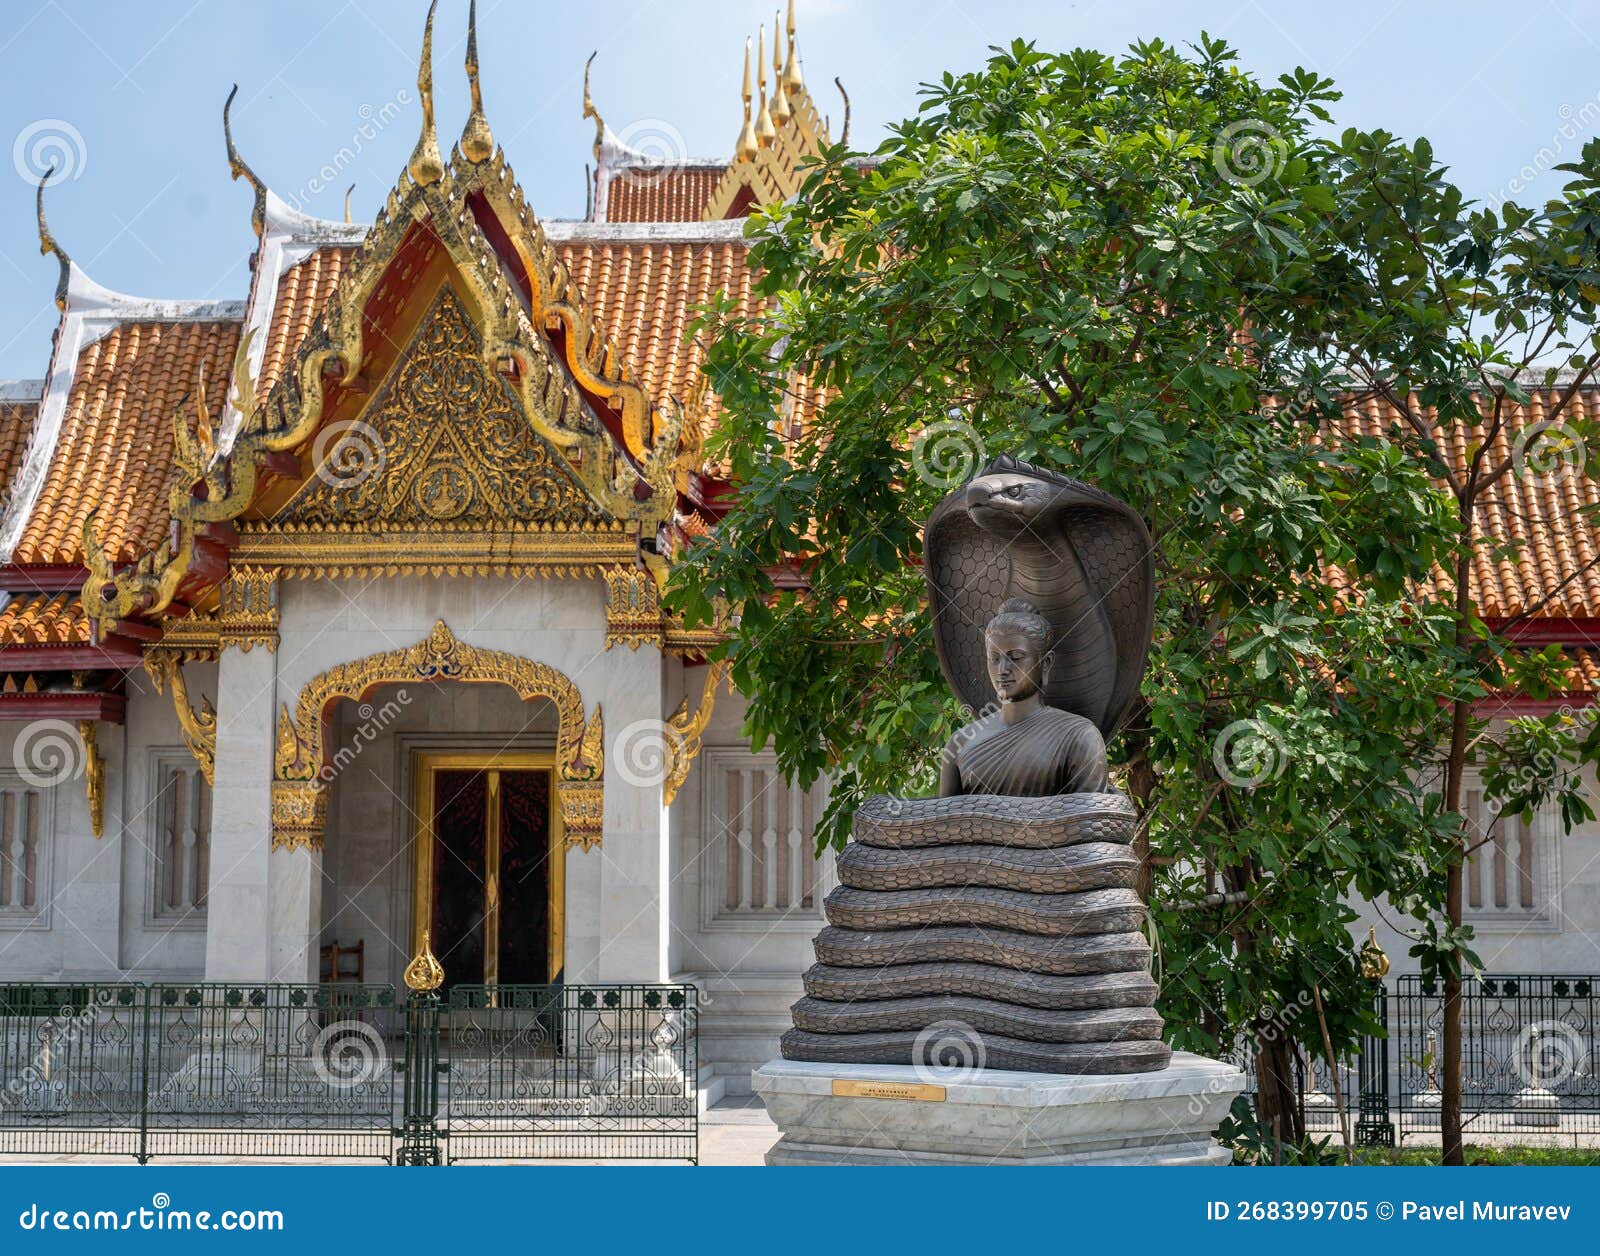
(1277, 1095)
(1454, 780)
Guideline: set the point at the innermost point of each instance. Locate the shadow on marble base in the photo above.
(881, 1114)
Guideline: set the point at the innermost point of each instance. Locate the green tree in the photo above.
(1058, 258)
(1450, 313)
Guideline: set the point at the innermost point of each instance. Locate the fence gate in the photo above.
(569, 1073)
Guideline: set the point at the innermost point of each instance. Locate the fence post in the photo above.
(1374, 1127)
(144, 1074)
(419, 1134)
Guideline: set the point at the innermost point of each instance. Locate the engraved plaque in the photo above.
(924, 1091)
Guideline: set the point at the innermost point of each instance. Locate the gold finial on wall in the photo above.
(240, 169)
(792, 83)
(477, 142)
(426, 166)
(47, 243)
(765, 131)
(745, 150)
(780, 98)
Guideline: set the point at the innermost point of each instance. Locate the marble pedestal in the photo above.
(886, 1114)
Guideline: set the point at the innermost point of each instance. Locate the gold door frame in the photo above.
(427, 765)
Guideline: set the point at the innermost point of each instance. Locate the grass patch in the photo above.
(1480, 1154)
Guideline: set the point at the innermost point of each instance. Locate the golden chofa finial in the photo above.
(426, 166)
(765, 131)
(477, 142)
(424, 973)
(239, 169)
(47, 244)
(780, 98)
(747, 146)
(589, 111)
(347, 193)
(792, 83)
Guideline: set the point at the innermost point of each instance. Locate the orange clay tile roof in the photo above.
(16, 423)
(1556, 568)
(661, 194)
(303, 290)
(43, 619)
(644, 294)
(114, 451)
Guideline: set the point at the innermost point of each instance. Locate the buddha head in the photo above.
(1017, 645)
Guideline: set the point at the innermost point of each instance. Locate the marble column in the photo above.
(239, 915)
(633, 869)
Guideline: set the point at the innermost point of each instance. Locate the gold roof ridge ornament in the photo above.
(424, 974)
(477, 141)
(426, 165)
(47, 243)
(766, 133)
(746, 148)
(589, 111)
(793, 84)
(347, 193)
(238, 168)
(780, 98)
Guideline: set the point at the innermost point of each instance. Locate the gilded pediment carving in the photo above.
(443, 441)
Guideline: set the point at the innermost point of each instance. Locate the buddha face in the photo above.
(1017, 666)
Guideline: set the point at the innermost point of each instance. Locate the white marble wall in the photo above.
(616, 921)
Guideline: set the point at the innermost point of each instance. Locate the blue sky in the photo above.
(130, 97)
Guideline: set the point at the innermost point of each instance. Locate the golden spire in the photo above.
(780, 98)
(240, 170)
(792, 83)
(765, 131)
(47, 244)
(589, 111)
(426, 166)
(746, 148)
(477, 143)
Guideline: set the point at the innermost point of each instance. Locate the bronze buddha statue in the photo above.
(1024, 747)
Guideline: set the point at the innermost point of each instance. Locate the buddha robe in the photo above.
(1050, 752)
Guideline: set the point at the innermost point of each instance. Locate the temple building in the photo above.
(331, 614)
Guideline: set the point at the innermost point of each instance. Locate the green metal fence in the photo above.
(216, 1071)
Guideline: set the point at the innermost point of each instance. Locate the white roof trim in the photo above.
(287, 239)
(562, 231)
(92, 312)
(15, 390)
